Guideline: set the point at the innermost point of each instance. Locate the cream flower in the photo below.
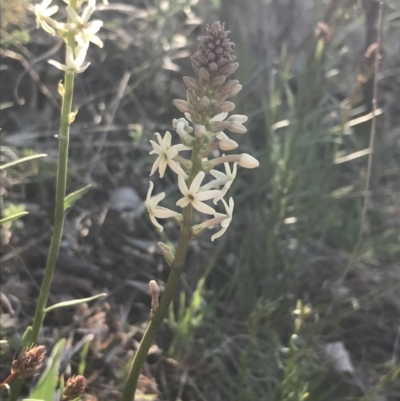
(227, 220)
(43, 13)
(166, 153)
(74, 64)
(221, 179)
(156, 211)
(85, 31)
(194, 196)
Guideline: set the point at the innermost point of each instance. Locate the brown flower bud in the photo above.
(182, 105)
(204, 75)
(191, 83)
(205, 102)
(218, 81)
(192, 97)
(74, 387)
(196, 64)
(215, 50)
(28, 362)
(230, 89)
(229, 69)
(224, 107)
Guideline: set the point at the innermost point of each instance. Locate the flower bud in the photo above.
(200, 131)
(167, 252)
(237, 128)
(196, 64)
(248, 161)
(28, 362)
(218, 81)
(192, 97)
(191, 83)
(205, 102)
(74, 387)
(155, 293)
(230, 89)
(182, 105)
(204, 75)
(225, 107)
(240, 118)
(227, 144)
(229, 69)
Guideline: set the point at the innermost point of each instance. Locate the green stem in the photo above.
(59, 208)
(61, 183)
(172, 283)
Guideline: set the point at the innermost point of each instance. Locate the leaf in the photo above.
(73, 302)
(22, 160)
(83, 355)
(46, 387)
(74, 196)
(12, 217)
(26, 338)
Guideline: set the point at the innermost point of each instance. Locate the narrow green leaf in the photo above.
(12, 217)
(83, 355)
(73, 302)
(46, 387)
(22, 160)
(26, 338)
(74, 196)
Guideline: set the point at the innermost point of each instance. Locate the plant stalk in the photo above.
(61, 183)
(168, 294)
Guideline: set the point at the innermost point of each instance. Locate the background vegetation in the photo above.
(289, 305)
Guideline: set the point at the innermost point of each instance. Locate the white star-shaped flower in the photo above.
(192, 195)
(227, 220)
(73, 64)
(166, 153)
(43, 13)
(85, 31)
(156, 211)
(222, 179)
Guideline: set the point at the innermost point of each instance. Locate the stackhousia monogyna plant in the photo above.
(202, 133)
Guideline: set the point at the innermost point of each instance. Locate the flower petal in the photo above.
(150, 191)
(194, 187)
(202, 207)
(164, 213)
(182, 185)
(206, 195)
(73, 15)
(155, 165)
(58, 65)
(163, 166)
(183, 202)
(218, 234)
(155, 222)
(176, 167)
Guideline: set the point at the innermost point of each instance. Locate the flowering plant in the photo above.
(201, 132)
(77, 33)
